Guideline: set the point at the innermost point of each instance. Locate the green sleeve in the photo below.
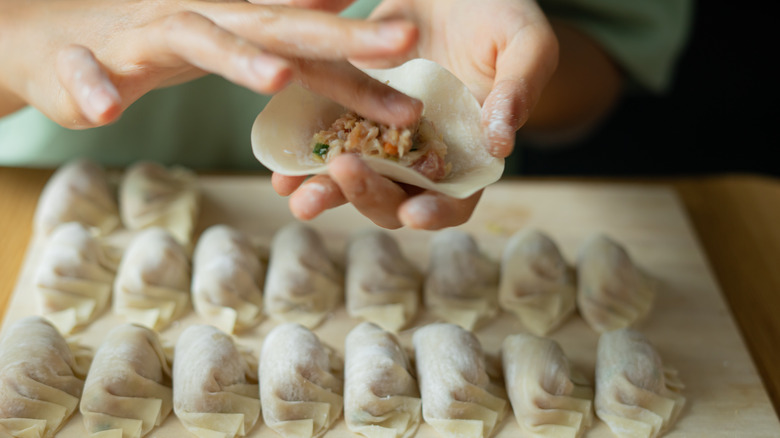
(645, 37)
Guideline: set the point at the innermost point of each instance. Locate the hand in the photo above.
(504, 50)
(82, 62)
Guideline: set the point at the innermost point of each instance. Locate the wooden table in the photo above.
(736, 217)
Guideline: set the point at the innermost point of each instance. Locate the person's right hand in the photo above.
(82, 62)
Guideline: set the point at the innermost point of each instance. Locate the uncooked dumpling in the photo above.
(612, 291)
(227, 279)
(215, 393)
(127, 391)
(300, 388)
(462, 283)
(282, 132)
(152, 196)
(303, 284)
(152, 285)
(77, 192)
(536, 282)
(549, 398)
(635, 395)
(74, 277)
(459, 400)
(41, 380)
(381, 399)
(383, 286)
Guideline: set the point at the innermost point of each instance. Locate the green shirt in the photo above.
(206, 123)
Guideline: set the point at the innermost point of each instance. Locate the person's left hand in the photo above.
(505, 52)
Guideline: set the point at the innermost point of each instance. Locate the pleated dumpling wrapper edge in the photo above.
(549, 397)
(381, 398)
(537, 285)
(300, 382)
(41, 379)
(127, 391)
(459, 398)
(636, 395)
(215, 394)
(74, 278)
(78, 191)
(282, 133)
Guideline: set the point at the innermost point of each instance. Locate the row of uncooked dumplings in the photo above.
(462, 285)
(301, 393)
(231, 289)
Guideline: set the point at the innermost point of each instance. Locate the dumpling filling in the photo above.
(420, 148)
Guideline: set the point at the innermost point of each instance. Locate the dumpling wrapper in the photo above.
(151, 195)
(300, 387)
(381, 399)
(635, 394)
(303, 284)
(74, 278)
(612, 291)
(549, 398)
(459, 398)
(127, 391)
(215, 394)
(152, 286)
(382, 286)
(77, 192)
(537, 284)
(282, 132)
(227, 279)
(461, 286)
(41, 379)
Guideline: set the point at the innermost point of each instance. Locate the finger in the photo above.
(375, 196)
(433, 210)
(522, 71)
(284, 185)
(345, 84)
(316, 195)
(88, 84)
(323, 5)
(195, 40)
(303, 33)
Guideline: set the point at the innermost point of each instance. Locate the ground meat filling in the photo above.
(420, 148)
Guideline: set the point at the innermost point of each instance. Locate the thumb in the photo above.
(523, 69)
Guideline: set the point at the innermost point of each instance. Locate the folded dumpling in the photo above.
(128, 388)
(612, 291)
(549, 398)
(227, 279)
(215, 392)
(77, 192)
(74, 277)
(537, 284)
(381, 399)
(635, 395)
(152, 286)
(459, 400)
(300, 390)
(462, 283)
(151, 195)
(303, 284)
(383, 286)
(40, 379)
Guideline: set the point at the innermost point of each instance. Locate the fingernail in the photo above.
(390, 34)
(419, 212)
(267, 67)
(101, 100)
(405, 107)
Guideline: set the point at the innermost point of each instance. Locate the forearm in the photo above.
(582, 91)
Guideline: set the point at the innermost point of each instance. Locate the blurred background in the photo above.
(721, 114)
